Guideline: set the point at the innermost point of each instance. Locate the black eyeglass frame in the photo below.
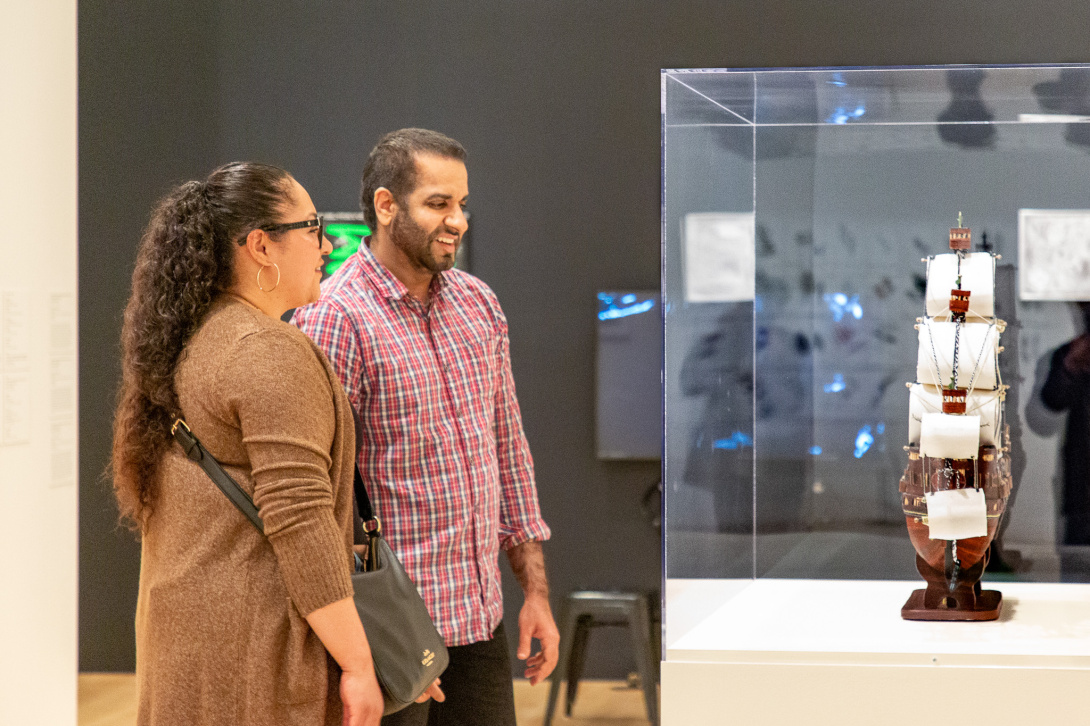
(318, 222)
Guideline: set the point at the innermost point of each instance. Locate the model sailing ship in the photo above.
(955, 488)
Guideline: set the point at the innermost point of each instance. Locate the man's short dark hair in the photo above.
(392, 164)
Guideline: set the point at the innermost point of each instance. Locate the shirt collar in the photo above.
(384, 281)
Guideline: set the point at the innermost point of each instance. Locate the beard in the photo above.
(416, 243)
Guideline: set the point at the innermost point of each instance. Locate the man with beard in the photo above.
(423, 353)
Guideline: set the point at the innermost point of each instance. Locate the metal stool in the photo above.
(586, 609)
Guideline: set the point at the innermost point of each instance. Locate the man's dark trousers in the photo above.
(477, 684)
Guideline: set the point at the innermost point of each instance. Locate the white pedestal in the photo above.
(837, 652)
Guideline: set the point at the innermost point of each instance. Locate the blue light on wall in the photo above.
(843, 115)
(815, 450)
(610, 308)
(837, 385)
(863, 441)
(840, 304)
(736, 441)
(636, 309)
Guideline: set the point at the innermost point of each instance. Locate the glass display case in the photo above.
(798, 206)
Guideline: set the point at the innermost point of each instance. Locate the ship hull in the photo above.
(952, 569)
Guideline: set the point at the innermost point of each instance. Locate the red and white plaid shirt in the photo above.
(444, 457)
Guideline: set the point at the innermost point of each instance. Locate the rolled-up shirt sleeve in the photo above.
(286, 413)
(520, 512)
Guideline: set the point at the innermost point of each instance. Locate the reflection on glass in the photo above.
(1066, 392)
(717, 377)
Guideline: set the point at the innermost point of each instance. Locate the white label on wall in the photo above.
(62, 415)
(15, 419)
(62, 324)
(15, 409)
(14, 330)
(62, 390)
(62, 453)
(1054, 254)
(720, 260)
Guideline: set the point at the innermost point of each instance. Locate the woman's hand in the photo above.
(338, 627)
(432, 692)
(362, 698)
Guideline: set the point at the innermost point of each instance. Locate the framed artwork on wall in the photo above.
(1054, 254)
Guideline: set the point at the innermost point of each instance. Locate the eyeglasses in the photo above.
(318, 222)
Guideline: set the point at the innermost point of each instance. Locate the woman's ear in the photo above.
(385, 207)
(257, 246)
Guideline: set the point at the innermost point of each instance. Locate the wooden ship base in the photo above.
(953, 587)
(988, 606)
(964, 601)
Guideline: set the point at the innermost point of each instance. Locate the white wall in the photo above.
(38, 497)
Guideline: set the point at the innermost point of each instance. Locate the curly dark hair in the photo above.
(185, 258)
(392, 164)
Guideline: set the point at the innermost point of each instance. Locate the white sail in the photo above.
(949, 436)
(988, 405)
(957, 514)
(978, 348)
(977, 276)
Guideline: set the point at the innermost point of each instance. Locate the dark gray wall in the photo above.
(558, 104)
(147, 117)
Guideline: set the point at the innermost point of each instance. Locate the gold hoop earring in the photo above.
(274, 284)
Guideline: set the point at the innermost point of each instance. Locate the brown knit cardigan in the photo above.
(220, 631)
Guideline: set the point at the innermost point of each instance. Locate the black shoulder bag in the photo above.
(407, 650)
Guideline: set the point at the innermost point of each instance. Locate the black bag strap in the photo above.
(367, 513)
(196, 452)
(372, 527)
(371, 523)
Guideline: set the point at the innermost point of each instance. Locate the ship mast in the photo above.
(956, 483)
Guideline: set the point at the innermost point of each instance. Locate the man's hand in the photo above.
(536, 617)
(433, 691)
(1077, 360)
(536, 621)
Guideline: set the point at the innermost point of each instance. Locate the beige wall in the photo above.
(38, 537)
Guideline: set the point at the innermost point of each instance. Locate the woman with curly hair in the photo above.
(233, 627)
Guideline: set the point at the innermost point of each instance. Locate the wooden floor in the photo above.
(109, 699)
